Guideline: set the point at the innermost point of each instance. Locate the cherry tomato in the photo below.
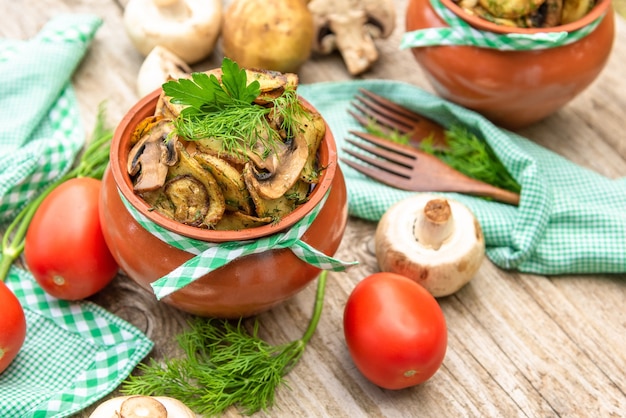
(395, 331)
(12, 326)
(65, 248)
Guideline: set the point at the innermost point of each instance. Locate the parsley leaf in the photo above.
(206, 94)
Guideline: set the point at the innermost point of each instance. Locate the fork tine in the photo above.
(381, 176)
(381, 164)
(384, 143)
(396, 108)
(399, 118)
(382, 115)
(384, 153)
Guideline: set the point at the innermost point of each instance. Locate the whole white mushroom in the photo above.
(189, 28)
(160, 65)
(142, 407)
(435, 241)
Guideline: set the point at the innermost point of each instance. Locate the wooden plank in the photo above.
(519, 345)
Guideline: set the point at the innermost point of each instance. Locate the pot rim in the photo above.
(598, 10)
(119, 158)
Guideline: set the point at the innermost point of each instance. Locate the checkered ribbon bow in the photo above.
(460, 33)
(210, 256)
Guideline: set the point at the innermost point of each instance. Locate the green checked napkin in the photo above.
(460, 33)
(210, 256)
(570, 219)
(75, 353)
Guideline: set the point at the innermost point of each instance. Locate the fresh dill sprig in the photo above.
(226, 110)
(473, 157)
(224, 365)
(465, 152)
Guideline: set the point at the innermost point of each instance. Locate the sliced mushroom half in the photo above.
(275, 180)
(151, 156)
(188, 166)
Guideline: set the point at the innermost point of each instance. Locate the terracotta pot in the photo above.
(245, 286)
(512, 88)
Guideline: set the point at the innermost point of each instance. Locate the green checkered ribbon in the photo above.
(460, 33)
(210, 256)
(570, 219)
(75, 353)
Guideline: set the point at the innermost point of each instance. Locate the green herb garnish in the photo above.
(206, 94)
(224, 365)
(473, 157)
(465, 152)
(226, 110)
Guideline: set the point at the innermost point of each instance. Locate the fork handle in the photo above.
(496, 193)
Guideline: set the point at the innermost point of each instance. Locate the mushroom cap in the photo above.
(190, 28)
(155, 407)
(442, 271)
(159, 66)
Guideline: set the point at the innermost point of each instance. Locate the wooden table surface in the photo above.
(519, 344)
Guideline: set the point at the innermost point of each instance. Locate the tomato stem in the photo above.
(92, 163)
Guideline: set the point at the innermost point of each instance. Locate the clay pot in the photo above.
(244, 287)
(512, 88)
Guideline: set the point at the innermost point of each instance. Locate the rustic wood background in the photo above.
(519, 345)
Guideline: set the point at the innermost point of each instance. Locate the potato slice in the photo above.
(235, 221)
(278, 208)
(314, 133)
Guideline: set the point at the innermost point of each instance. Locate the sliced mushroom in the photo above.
(436, 242)
(188, 166)
(151, 156)
(351, 27)
(189, 198)
(281, 176)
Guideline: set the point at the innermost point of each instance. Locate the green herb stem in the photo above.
(92, 163)
(224, 365)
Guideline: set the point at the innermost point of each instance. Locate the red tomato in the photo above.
(12, 326)
(65, 248)
(395, 331)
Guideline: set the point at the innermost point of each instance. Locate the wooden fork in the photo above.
(407, 168)
(391, 117)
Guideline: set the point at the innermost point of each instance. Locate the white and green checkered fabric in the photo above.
(41, 129)
(75, 353)
(570, 219)
(460, 33)
(210, 256)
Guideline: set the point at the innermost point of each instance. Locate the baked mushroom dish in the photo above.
(528, 13)
(227, 149)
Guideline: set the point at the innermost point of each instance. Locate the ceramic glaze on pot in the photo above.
(512, 88)
(245, 286)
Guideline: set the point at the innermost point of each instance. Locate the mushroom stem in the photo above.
(434, 224)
